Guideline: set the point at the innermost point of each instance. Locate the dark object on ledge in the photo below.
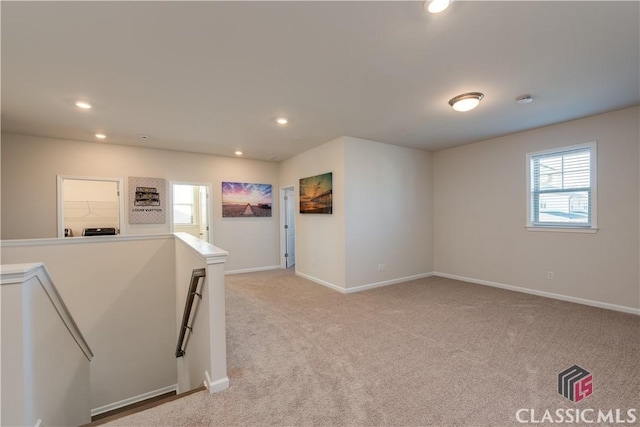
(110, 231)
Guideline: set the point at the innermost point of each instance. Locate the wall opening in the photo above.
(89, 203)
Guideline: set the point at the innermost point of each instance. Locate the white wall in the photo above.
(13, 397)
(480, 212)
(388, 212)
(45, 374)
(121, 294)
(205, 358)
(320, 238)
(30, 166)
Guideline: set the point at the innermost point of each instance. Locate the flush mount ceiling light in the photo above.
(101, 135)
(84, 105)
(436, 6)
(282, 120)
(238, 153)
(466, 101)
(524, 99)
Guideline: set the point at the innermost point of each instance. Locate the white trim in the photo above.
(205, 251)
(363, 287)
(135, 399)
(215, 386)
(322, 282)
(562, 229)
(18, 274)
(592, 303)
(81, 240)
(252, 270)
(209, 205)
(387, 283)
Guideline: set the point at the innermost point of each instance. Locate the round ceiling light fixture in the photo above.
(466, 101)
(436, 6)
(524, 99)
(101, 135)
(238, 153)
(282, 120)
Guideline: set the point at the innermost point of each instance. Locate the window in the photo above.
(183, 204)
(562, 188)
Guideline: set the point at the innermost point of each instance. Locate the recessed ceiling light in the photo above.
(466, 101)
(436, 6)
(83, 105)
(238, 153)
(282, 120)
(143, 136)
(101, 135)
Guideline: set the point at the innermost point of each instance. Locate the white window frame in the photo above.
(571, 228)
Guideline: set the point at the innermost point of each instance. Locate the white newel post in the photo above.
(205, 358)
(217, 379)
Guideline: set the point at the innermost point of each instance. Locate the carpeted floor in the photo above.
(434, 351)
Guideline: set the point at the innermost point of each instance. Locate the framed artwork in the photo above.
(316, 194)
(147, 200)
(242, 200)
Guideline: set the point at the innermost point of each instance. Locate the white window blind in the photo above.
(562, 187)
(183, 202)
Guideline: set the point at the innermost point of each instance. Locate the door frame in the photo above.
(283, 231)
(209, 205)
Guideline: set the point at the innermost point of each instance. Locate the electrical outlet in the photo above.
(382, 267)
(550, 275)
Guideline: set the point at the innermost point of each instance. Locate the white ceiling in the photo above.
(211, 77)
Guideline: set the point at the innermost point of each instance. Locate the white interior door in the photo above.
(290, 227)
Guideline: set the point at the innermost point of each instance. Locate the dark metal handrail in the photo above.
(196, 274)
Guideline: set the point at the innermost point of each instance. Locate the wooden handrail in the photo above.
(196, 274)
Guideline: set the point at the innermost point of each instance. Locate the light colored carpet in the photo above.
(428, 352)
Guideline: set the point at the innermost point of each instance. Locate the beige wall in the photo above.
(381, 214)
(30, 166)
(480, 212)
(472, 200)
(320, 238)
(122, 295)
(388, 212)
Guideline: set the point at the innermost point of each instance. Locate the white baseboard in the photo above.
(215, 386)
(253, 270)
(387, 282)
(363, 287)
(322, 282)
(134, 399)
(622, 308)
